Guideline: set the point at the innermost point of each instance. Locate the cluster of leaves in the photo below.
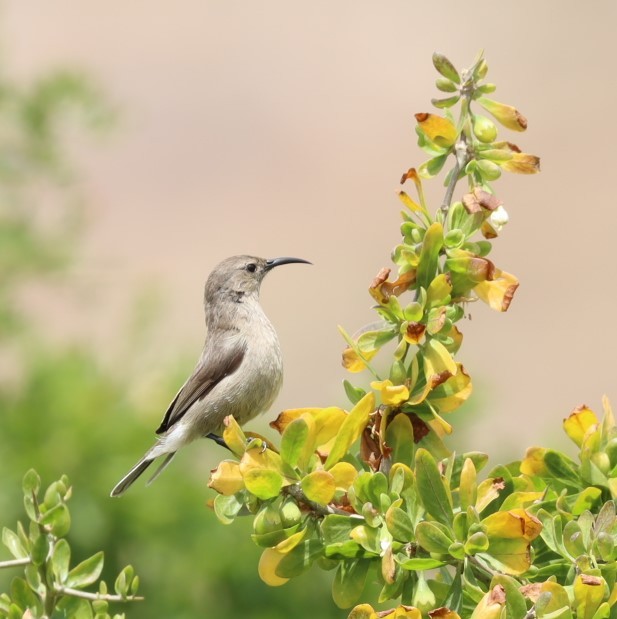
(50, 587)
(532, 539)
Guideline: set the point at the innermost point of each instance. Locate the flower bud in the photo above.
(484, 129)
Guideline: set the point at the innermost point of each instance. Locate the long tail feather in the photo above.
(161, 467)
(131, 476)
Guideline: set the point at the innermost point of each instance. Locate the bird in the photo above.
(240, 369)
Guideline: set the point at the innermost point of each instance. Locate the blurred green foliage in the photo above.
(63, 411)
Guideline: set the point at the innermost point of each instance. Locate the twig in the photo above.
(15, 562)
(97, 596)
(322, 510)
(462, 159)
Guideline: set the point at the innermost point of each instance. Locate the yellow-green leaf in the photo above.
(351, 429)
(298, 442)
(268, 563)
(319, 486)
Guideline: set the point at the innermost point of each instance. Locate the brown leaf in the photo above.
(594, 581)
(479, 199)
(411, 174)
(420, 429)
(369, 449)
(532, 591)
(439, 379)
(498, 595)
(415, 332)
(381, 289)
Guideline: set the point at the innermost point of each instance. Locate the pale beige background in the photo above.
(282, 128)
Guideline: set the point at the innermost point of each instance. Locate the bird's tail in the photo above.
(137, 470)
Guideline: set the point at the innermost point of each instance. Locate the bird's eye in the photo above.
(251, 267)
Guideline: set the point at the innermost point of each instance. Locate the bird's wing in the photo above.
(218, 362)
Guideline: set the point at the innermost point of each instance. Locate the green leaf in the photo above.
(22, 595)
(87, 572)
(124, 580)
(429, 256)
(226, 508)
(418, 564)
(299, 559)
(354, 394)
(263, 483)
(561, 467)
(60, 560)
(347, 550)
(374, 340)
(399, 438)
(336, 528)
(57, 519)
(11, 540)
(433, 494)
(31, 482)
(298, 442)
(349, 582)
(433, 166)
(433, 537)
(351, 429)
(446, 68)
(40, 550)
(399, 524)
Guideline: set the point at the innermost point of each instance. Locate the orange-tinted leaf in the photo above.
(499, 291)
(507, 115)
(581, 421)
(226, 478)
(381, 289)
(354, 362)
(521, 163)
(439, 130)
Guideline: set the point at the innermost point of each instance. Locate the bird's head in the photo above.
(239, 277)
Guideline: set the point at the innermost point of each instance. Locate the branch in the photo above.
(462, 159)
(322, 510)
(85, 595)
(15, 562)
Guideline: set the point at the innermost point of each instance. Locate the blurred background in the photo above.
(141, 145)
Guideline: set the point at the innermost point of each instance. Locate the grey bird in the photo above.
(239, 372)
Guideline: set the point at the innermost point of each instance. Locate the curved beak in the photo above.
(275, 262)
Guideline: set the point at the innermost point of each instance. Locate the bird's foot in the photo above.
(219, 440)
(253, 439)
